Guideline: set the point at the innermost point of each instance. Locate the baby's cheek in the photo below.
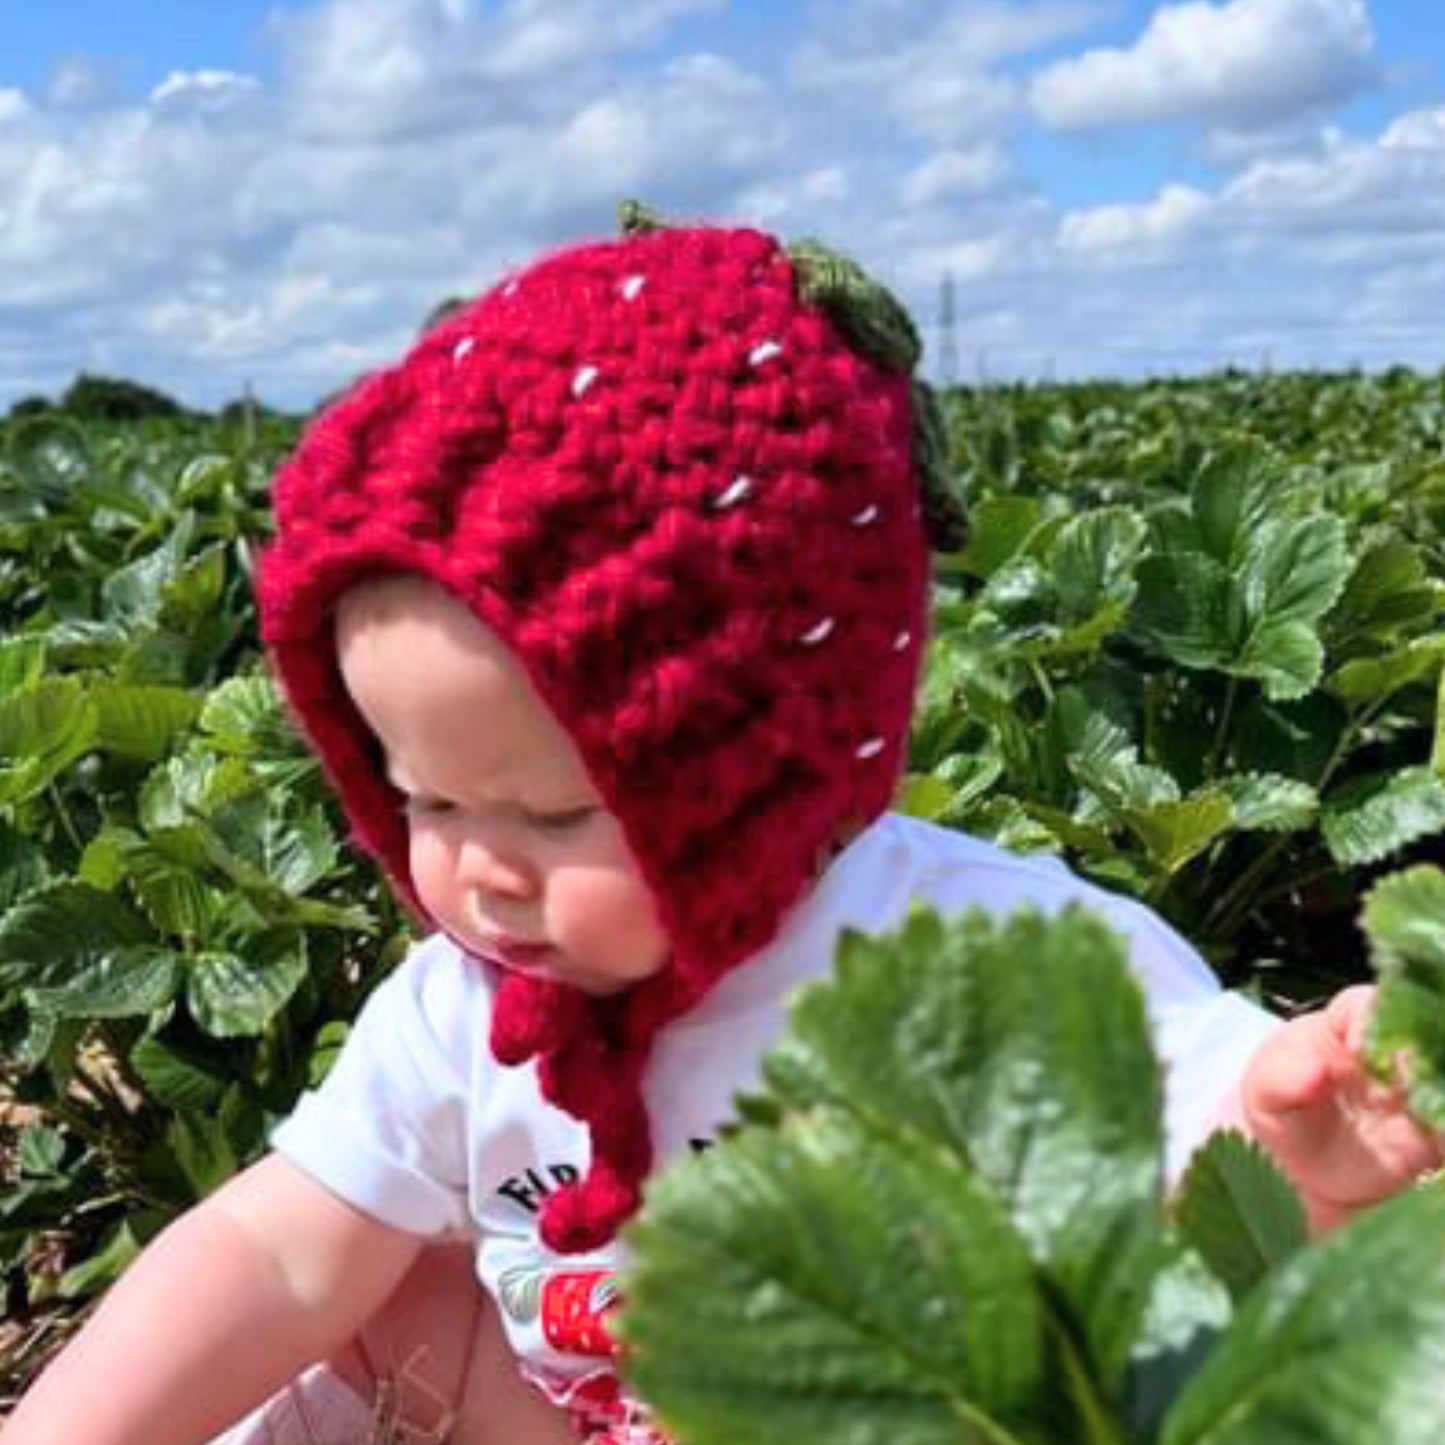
(608, 913)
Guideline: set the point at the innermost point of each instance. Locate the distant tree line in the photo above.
(112, 398)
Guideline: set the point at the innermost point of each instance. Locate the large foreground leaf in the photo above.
(1239, 1212)
(833, 1284)
(1345, 1344)
(1019, 1047)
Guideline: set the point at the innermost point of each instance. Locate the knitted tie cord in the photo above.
(690, 504)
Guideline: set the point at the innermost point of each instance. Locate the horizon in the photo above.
(277, 194)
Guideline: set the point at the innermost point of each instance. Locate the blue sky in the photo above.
(210, 196)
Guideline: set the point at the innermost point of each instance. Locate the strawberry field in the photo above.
(1194, 644)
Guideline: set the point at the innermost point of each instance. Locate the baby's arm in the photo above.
(229, 1302)
(1345, 1139)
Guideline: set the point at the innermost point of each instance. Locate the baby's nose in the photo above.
(495, 868)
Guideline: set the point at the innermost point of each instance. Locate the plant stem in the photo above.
(1221, 737)
(1235, 904)
(66, 821)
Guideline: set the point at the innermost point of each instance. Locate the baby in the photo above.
(604, 610)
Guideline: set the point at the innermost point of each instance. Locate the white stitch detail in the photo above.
(902, 640)
(509, 288)
(462, 347)
(818, 633)
(632, 286)
(870, 749)
(867, 515)
(735, 493)
(583, 380)
(765, 352)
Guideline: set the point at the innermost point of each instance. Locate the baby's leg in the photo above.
(436, 1353)
(432, 1360)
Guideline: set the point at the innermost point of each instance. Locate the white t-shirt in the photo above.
(418, 1126)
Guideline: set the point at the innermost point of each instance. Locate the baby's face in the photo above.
(509, 838)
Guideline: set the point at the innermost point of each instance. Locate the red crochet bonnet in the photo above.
(682, 475)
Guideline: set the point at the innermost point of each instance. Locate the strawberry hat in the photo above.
(687, 477)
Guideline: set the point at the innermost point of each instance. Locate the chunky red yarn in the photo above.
(689, 507)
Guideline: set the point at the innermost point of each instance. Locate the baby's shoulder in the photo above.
(437, 991)
(955, 872)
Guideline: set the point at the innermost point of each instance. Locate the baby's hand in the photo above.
(1343, 1137)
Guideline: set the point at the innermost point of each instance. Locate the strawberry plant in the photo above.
(960, 1233)
(1212, 681)
(183, 937)
(1194, 645)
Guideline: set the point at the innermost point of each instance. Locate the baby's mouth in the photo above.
(529, 958)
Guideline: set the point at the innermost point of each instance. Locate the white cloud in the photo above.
(1419, 130)
(362, 70)
(1379, 189)
(933, 67)
(294, 231)
(1244, 64)
(78, 82)
(13, 104)
(965, 171)
(1131, 232)
(206, 91)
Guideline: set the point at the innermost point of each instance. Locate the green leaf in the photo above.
(1093, 561)
(104, 863)
(23, 867)
(1238, 1210)
(1146, 800)
(884, 1295)
(1404, 920)
(1042, 1078)
(49, 455)
(1437, 750)
(1364, 679)
(43, 729)
(232, 996)
(141, 722)
(182, 789)
(1267, 802)
(63, 931)
(1293, 739)
(1234, 493)
(22, 663)
(291, 853)
(1188, 1308)
(192, 596)
(202, 1151)
(1175, 832)
(999, 526)
(1369, 818)
(924, 796)
(176, 1077)
(1182, 608)
(133, 595)
(103, 1267)
(41, 1151)
(245, 715)
(1344, 1344)
(1388, 590)
(124, 983)
(329, 1040)
(1294, 571)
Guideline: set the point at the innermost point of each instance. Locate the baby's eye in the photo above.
(557, 822)
(428, 807)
